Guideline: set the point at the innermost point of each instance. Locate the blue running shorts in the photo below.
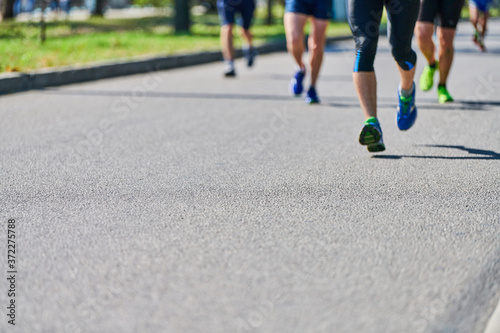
(482, 5)
(227, 9)
(320, 9)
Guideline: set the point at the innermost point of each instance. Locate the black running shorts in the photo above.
(444, 13)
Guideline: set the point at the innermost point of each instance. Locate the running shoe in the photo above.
(250, 55)
(312, 96)
(371, 136)
(443, 95)
(230, 73)
(296, 86)
(407, 111)
(427, 77)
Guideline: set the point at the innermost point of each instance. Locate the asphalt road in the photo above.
(180, 201)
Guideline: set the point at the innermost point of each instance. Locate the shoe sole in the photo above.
(445, 101)
(310, 101)
(376, 147)
(369, 136)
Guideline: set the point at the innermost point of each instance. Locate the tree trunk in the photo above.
(182, 21)
(269, 20)
(7, 9)
(99, 8)
(43, 25)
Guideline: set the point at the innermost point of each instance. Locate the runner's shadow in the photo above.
(386, 102)
(480, 154)
(326, 78)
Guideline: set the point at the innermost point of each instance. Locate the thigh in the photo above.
(364, 18)
(247, 9)
(294, 25)
(318, 30)
(402, 16)
(226, 12)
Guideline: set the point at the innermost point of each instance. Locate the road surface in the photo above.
(179, 201)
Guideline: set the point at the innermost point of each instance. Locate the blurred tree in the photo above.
(99, 8)
(154, 3)
(7, 8)
(269, 19)
(182, 21)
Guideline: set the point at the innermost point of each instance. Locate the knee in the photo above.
(313, 45)
(365, 55)
(405, 57)
(227, 28)
(446, 44)
(295, 41)
(423, 34)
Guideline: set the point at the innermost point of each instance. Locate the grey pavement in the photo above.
(179, 201)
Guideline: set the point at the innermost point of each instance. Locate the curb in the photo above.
(51, 77)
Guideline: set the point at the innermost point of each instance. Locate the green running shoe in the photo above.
(427, 77)
(371, 136)
(443, 95)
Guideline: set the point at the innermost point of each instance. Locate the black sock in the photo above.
(433, 65)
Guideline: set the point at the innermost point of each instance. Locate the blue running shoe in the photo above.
(407, 111)
(250, 54)
(296, 87)
(312, 97)
(371, 136)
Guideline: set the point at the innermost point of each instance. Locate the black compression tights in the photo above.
(364, 19)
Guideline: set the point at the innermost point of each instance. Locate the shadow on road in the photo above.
(340, 101)
(482, 154)
(151, 94)
(425, 104)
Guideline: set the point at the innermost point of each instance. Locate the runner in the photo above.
(227, 9)
(479, 12)
(297, 12)
(447, 13)
(364, 19)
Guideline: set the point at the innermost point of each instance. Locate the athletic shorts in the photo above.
(482, 5)
(444, 13)
(228, 8)
(320, 9)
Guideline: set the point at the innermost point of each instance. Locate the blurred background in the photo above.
(44, 33)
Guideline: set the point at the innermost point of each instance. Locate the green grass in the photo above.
(76, 43)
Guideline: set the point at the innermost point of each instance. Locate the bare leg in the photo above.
(366, 87)
(316, 43)
(247, 36)
(294, 28)
(226, 40)
(445, 36)
(423, 32)
(484, 23)
(407, 78)
(474, 16)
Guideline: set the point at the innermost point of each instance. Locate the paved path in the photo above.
(182, 202)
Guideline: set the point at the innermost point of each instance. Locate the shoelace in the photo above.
(406, 101)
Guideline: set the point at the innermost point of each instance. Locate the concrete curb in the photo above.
(50, 77)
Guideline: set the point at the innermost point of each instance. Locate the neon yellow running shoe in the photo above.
(427, 77)
(443, 95)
